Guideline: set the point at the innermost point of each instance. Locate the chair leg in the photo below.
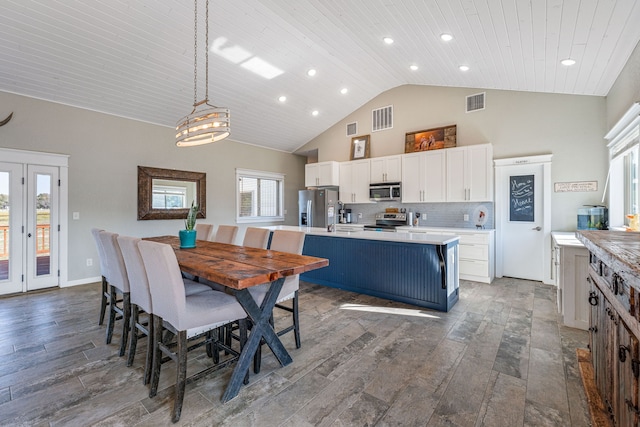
(157, 355)
(296, 320)
(181, 374)
(150, 346)
(111, 320)
(126, 316)
(133, 337)
(103, 300)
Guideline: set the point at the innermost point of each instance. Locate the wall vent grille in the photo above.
(352, 129)
(382, 118)
(475, 102)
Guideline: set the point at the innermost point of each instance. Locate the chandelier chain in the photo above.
(195, 53)
(206, 54)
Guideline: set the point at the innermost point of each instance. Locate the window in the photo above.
(624, 195)
(169, 197)
(259, 196)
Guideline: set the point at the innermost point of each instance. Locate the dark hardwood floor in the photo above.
(501, 357)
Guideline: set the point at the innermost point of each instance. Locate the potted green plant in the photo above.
(188, 235)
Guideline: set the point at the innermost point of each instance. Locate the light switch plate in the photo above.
(466, 217)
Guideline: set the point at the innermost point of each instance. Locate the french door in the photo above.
(29, 227)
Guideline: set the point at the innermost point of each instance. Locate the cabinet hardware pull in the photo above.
(622, 353)
(593, 329)
(632, 407)
(593, 298)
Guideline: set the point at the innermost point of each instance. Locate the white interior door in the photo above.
(42, 227)
(523, 210)
(11, 220)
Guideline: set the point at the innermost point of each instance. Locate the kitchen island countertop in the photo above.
(420, 238)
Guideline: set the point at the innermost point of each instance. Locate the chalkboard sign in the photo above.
(521, 205)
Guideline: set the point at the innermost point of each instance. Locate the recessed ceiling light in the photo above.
(446, 37)
(282, 98)
(388, 40)
(414, 67)
(464, 68)
(311, 72)
(568, 62)
(315, 113)
(344, 90)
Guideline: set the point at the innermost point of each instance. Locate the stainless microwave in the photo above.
(385, 191)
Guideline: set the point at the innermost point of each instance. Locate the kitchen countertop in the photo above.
(566, 238)
(420, 229)
(420, 238)
(621, 247)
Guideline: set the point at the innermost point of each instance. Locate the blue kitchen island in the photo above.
(419, 269)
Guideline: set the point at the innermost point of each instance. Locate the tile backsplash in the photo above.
(437, 214)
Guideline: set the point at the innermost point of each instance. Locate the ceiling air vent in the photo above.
(475, 102)
(352, 129)
(382, 118)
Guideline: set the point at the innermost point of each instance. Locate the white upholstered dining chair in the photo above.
(105, 293)
(255, 237)
(188, 317)
(203, 231)
(226, 234)
(118, 285)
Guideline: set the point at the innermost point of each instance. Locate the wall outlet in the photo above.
(466, 217)
(423, 216)
(89, 262)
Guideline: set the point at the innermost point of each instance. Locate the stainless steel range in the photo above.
(386, 221)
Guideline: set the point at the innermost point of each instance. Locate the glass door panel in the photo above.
(11, 241)
(42, 229)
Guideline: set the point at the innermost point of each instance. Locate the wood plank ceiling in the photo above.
(134, 58)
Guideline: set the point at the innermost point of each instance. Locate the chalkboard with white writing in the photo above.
(521, 201)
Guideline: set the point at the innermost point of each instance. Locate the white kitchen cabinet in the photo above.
(386, 169)
(571, 269)
(475, 250)
(322, 174)
(354, 181)
(469, 173)
(423, 176)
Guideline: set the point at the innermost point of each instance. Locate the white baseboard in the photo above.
(81, 282)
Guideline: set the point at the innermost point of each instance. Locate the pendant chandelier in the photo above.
(206, 123)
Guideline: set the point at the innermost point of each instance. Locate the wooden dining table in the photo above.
(239, 268)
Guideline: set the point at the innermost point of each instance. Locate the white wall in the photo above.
(516, 123)
(626, 89)
(105, 152)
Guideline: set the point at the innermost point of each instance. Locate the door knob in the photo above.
(538, 228)
(29, 235)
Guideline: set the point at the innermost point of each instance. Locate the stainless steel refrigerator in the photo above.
(318, 208)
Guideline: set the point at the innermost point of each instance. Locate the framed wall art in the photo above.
(360, 148)
(430, 139)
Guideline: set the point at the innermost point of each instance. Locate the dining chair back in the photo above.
(292, 242)
(203, 231)
(140, 301)
(255, 237)
(119, 284)
(226, 234)
(104, 298)
(187, 317)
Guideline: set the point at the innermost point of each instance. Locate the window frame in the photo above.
(624, 142)
(248, 173)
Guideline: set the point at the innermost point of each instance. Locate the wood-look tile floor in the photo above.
(501, 357)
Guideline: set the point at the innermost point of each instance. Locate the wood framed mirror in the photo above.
(168, 193)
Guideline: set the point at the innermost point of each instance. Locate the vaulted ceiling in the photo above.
(134, 58)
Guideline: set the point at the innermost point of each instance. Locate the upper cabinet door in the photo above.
(470, 173)
(354, 181)
(322, 174)
(386, 169)
(423, 177)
